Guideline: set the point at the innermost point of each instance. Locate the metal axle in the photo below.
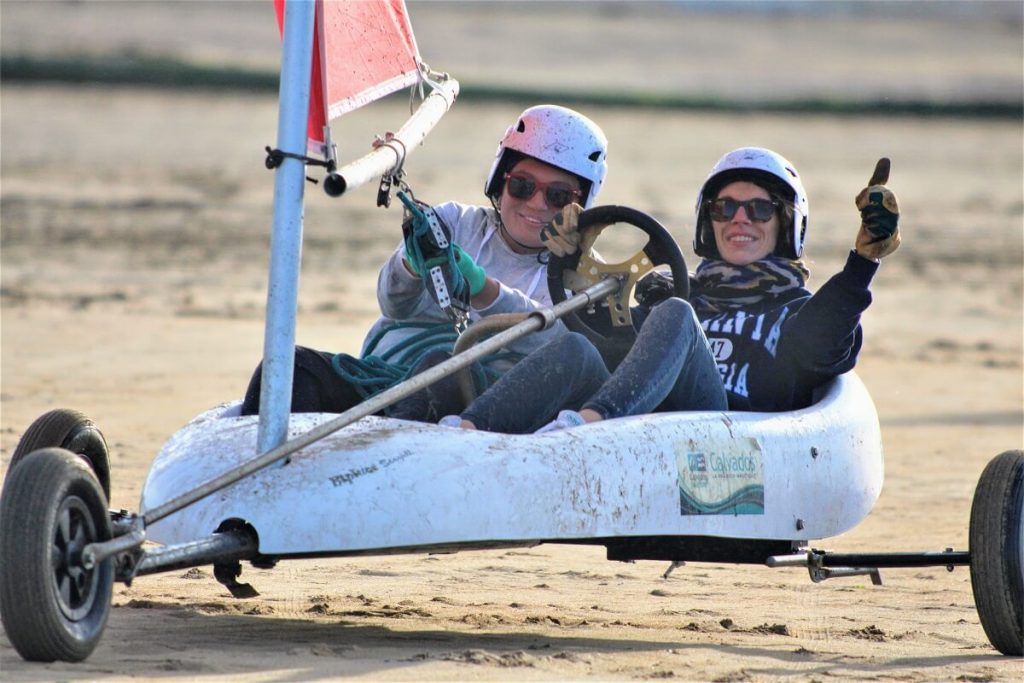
(822, 564)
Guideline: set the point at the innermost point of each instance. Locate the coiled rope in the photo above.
(371, 374)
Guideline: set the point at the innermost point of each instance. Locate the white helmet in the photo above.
(763, 167)
(557, 136)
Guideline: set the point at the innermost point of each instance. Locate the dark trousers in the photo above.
(317, 388)
(670, 367)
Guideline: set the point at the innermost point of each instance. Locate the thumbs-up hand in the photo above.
(879, 233)
(562, 235)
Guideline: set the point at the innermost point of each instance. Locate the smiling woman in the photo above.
(547, 157)
(773, 341)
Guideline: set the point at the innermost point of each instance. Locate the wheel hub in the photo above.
(74, 586)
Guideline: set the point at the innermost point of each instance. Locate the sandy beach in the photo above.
(135, 228)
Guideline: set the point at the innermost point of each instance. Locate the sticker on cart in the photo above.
(723, 480)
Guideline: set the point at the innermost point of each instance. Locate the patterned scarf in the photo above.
(721, 286)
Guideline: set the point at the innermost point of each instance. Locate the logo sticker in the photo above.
(724, 480)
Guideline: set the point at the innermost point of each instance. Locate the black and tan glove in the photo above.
(654, 288)
(879, 233)
(562, 235)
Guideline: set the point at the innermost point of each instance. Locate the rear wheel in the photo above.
(52, 607)
(72, 431)
(997, 551)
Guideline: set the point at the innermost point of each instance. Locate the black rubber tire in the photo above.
(72, 431)
(53, 608)
(997, 551)
(615, 342)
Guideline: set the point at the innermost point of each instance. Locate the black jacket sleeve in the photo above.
(824, 337)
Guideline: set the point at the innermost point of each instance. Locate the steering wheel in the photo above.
(612, 331)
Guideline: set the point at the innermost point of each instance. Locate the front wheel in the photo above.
(53, 607)
(997, 551)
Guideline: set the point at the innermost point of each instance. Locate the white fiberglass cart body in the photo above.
(384, 484)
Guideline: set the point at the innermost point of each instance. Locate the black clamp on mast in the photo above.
(275, 157)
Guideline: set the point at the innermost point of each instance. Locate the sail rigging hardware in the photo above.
(329, 150)
(276, 157)
(430, 252)
(416, 92)
(395, 175)
(384, 190)
(387, 155)
(431, 77)
(396, 172)
(435, 79)
(390, 180)
(441, 85)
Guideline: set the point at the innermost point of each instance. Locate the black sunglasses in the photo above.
(557, 195)
(724, 208)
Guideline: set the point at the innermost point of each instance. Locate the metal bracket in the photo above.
(95, 553)
(672, 567)
(819, 574)
(814, 560)
(397, 171)
(440, 288)
(384, 190)
(228, 575)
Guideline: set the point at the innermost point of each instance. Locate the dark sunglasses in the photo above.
(557, 195)
(724, 208)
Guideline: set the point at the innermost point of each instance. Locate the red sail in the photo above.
(362, 51)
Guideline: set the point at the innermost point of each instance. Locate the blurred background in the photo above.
(763, 69)
(930, 51)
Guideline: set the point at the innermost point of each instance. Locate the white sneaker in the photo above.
(565, 420)
(453, 421)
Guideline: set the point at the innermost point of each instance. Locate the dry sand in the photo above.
(135, 227)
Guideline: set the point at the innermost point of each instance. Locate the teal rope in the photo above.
(414, 252)
(372, 373)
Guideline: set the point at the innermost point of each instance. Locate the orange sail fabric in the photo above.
(362, 50)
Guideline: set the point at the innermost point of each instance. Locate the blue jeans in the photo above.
(670, 367)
